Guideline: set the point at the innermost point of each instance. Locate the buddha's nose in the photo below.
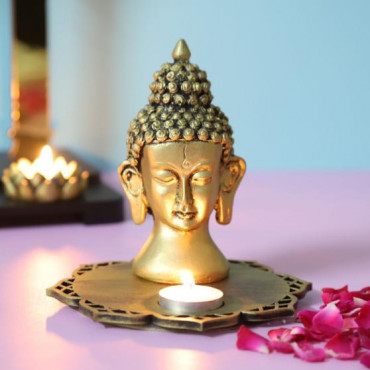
(184, 195)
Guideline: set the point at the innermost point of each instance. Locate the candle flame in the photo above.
(46, 153)
(25, 166)
(46, 166)
(68, 171)
(187, 278)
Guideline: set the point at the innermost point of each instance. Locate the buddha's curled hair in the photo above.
(179, 109)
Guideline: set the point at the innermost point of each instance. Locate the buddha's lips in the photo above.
(184, 215)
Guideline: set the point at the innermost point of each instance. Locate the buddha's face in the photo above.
(181, 182)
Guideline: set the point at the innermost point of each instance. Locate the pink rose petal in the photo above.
(342, 296)
(330, 294)
(359, 302)
(352, 313)
(346, 305)
(251, 341)
(295, 334)
(349, 323)
(308, 352)
(343, 322)
(298, 333)
(335, 291)
(364, 335)
(346, 301)
(281, 338)
(306, 317)
(365, 359)
(343, 346)
(282, 347)
(363, 317)
(276, 334)
(364, 293)
(327, 322)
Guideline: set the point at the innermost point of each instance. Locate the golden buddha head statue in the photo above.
(179, 168)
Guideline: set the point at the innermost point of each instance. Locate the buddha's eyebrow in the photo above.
(203, 165)
(160, 166)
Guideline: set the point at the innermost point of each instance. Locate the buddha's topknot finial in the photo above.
(181, 51)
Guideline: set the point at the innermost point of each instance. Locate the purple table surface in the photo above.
(312, 225)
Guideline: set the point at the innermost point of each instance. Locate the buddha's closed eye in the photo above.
(165, 177)
(201, 178)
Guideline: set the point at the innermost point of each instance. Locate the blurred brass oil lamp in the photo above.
(36, 191)
(45, 179)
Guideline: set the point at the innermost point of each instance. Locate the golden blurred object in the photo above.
(180, 167)
(45, 179)
(30, 128)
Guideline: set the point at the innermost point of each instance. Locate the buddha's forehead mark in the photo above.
(186, 162)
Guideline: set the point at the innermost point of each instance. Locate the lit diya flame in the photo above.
(44, 180)
(46, 166)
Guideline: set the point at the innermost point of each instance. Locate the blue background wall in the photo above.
(292, 76)
(5, 50)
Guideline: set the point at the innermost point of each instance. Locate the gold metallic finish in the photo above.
(71, 189)
(172, 87)
(181, 199)
(188, 134)
(25, 191)
(46, 192)
(110, 294)
(180, 171)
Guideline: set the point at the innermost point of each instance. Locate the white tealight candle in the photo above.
(189, 298)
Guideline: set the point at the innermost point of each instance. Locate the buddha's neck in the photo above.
(168, 251)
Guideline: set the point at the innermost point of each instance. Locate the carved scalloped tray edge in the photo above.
(284, 307)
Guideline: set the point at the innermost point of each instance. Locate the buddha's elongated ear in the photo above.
(231, 176)
(132, 183)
